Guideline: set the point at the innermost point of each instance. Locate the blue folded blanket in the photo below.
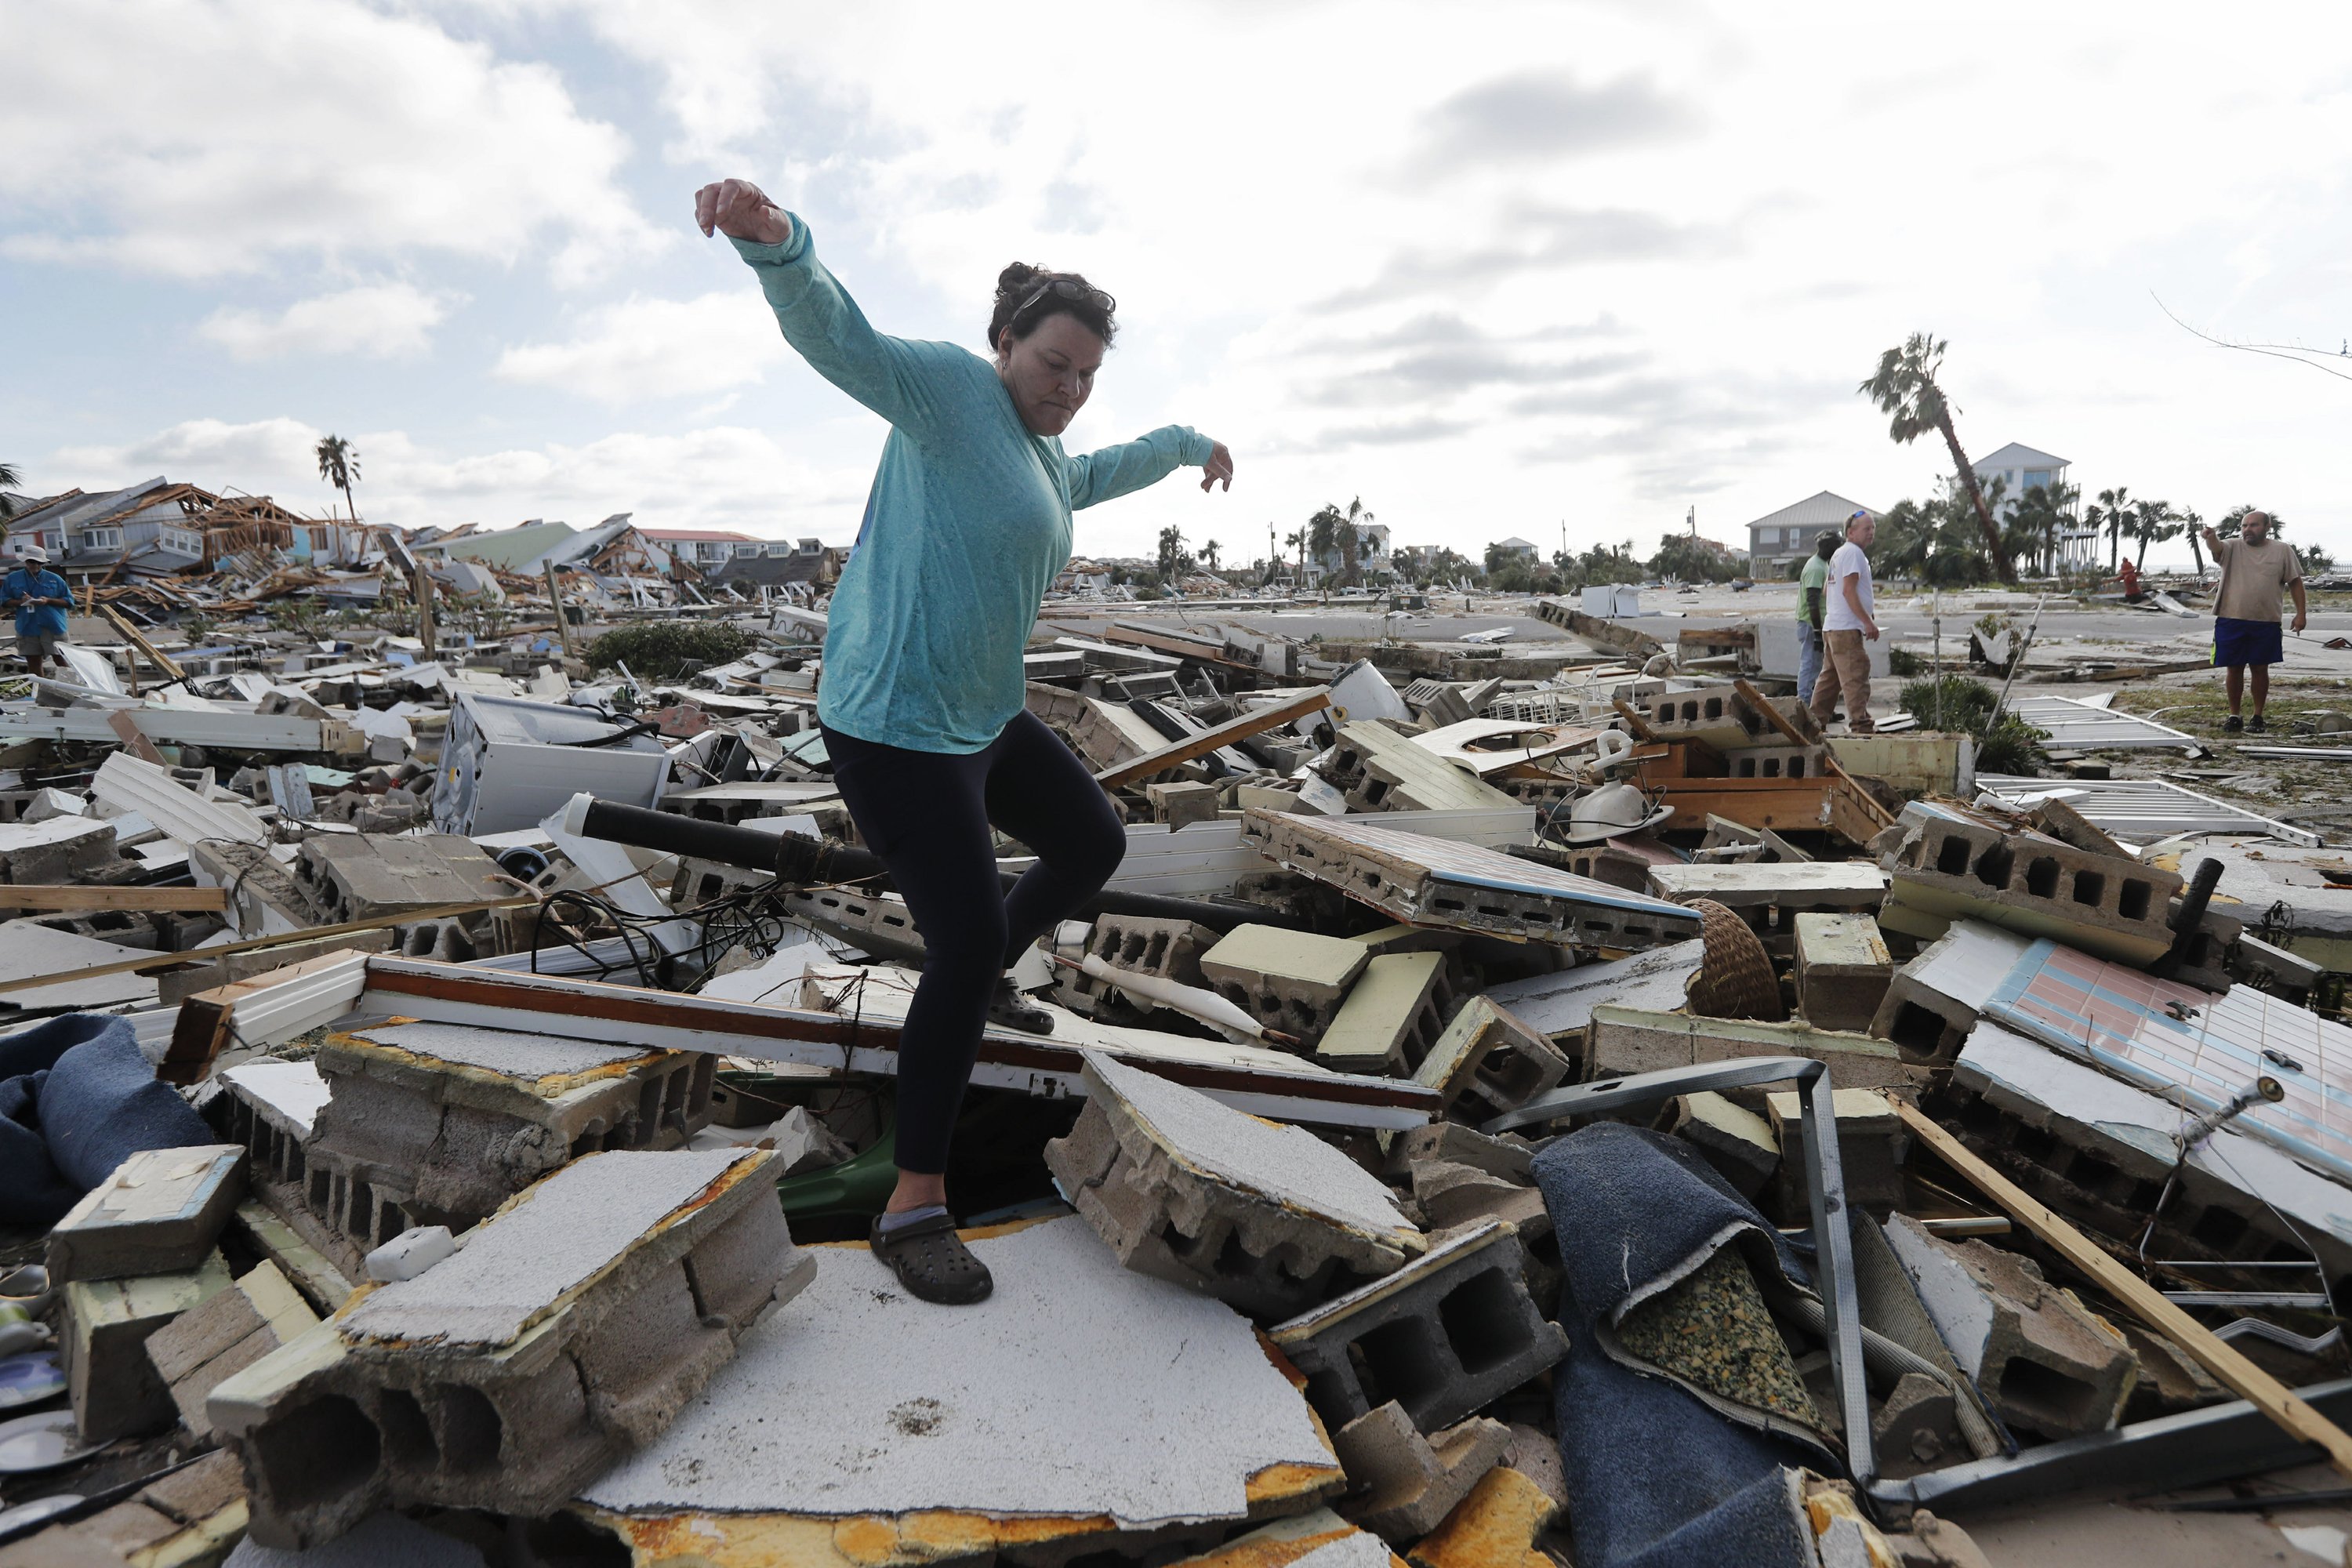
(1658, 1478)
(76, 1098)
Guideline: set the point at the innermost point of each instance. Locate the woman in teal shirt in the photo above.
(923, 695)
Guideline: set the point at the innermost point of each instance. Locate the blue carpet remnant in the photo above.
(1658, 1475)
(76, 1098)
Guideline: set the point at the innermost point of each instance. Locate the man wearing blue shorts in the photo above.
(2256, 569)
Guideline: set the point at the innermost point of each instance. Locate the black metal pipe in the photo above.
(2189, 918)
(810, 862)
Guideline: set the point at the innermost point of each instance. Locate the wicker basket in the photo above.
(1736, 979)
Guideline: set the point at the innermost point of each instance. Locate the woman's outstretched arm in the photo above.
(895, 377)
(1100, 476)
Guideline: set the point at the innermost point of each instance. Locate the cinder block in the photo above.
(1509, 1155)
(1743, 1147)
(1168, 949)
(1266, 796)
(1930, 1007)
(1843, 969)
(1495, 1527)
(572, 1326)
(1405, 1484)
(1948, 862)
(1489, 1062)
(440, 1123)
(1621, 1041)
(1918, 1429)
(114, 1388)
(878, 922)
(1720, 717)
(61, 849)
(360, 876)
(1450, 1195)
(1288, 980)
(1183, 802)
(228, 1332)
(1871, 1145)
(1444, 1335)
(189, 1518)
(162, 1210)
(1390, 1017)
(2041, 1357)
(1264, 1216)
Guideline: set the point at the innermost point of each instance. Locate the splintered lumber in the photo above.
(40, 896)
(1254, 722)
(1861, 798)
(156, 657)
(2233, 1371)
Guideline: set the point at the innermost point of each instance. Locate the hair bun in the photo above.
(1018, 279)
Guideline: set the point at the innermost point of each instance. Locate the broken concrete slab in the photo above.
(1183, 801)
(1743, 1147)
(1948, 862)
(1508, 1156)
(1446, 1334)
(1931, 1003)
(2042, 1360)
(362, 876)
(1488, 1061)
(188, 1518)
(225, 1333)
(1432, 881)
(855, 1407)
(162, 1210)
(1266, 1217)
(114, 1388)
(568, 1328)
(1621, 1041)
(1405, 1483)
(58, 850)
(1498, 1525)
(1562, 1003)
(1378, 770)
(1842, 968)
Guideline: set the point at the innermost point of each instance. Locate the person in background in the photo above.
(2255, 568)
(1847, 627)
(40, 598)
(1812, 594)
(2128, 575)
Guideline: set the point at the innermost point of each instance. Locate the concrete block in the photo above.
(440, 1123)
(1183, 802)
(1719, 716)
(880, 923)
(356, 876)
(1917, 1427)
(1265, 797)
(1509, 1155)
(1265, 1218)
(1392, 1016)
(226, 1333)
(1488, 1061)
(2038, 1356)
(1930, 1007)
(1376, 769)
(568, 1328)
(1405, 1484)
(1871, 1145)
(162, 1210)
(1743, 1147)
(1450, 1195)
(1168, 949)
(1447, 1335)
(1842, 968)
(1288, 980)
(190, 1518)
(1496, 1525)
(1621, 1041)
(61, 849)
(1949, 862)
(113, 1386)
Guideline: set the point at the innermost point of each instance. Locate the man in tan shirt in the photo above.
(2256, 569)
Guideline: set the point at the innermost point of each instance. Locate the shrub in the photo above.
(664, 650)
(1903, 663)
(2011, 746)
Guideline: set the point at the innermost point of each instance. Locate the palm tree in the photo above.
(1209, 553)
(2152, 522)
(9, 480)
(1905, 391)
(339, 465)
(2112, 511)
(1172, 553)
(1350, 541)
(1297, 539)
(2193, 524)
(1325, 531)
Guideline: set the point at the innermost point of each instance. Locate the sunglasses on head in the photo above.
(1076, 292)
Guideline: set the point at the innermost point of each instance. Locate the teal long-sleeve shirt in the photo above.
(966, 527)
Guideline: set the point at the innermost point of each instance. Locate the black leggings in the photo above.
(927, 815)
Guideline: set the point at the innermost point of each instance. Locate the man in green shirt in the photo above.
(1812, 585)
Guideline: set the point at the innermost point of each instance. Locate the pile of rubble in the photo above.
(1506, 1106)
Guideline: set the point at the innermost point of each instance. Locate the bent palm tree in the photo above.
(339, 465)
(1905, 391)
(9, 480)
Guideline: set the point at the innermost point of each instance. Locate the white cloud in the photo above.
(719, 477)
(205, 137)
(379, 320)
(643, 349)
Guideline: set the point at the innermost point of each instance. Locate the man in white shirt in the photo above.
(1847, 627)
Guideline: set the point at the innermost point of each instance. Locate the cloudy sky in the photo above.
(1496, 269)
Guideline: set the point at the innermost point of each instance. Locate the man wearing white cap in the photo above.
(40, 598)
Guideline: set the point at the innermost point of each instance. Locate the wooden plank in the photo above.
(1633, 722)
(309, 933)
(1254, 722)
(126, 730)
(1779, 720)
(40, 896)
(562, 621)
(2233, 1370)
(156, 657)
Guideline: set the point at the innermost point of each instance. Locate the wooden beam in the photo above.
(1254, 722)
(1633, 722)
(1794, 736)
(37, 896)
(308, 933)
(562, 621)
(2233, 1370)
(155, 656)
(126, 730)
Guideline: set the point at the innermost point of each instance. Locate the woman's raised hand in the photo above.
(1220, 466)
(741, 210)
